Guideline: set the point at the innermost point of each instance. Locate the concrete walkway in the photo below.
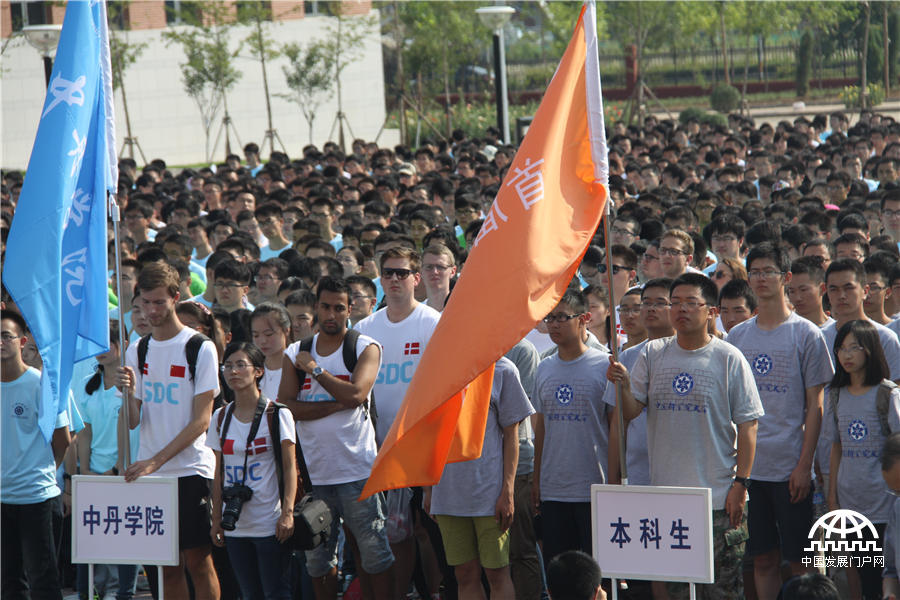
(789, 112)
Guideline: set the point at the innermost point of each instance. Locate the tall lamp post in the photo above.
(44, 38)
(495, 17)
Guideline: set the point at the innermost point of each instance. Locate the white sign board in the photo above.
(653, 532)
(114, 522)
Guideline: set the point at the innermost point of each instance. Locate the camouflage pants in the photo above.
(728, 557)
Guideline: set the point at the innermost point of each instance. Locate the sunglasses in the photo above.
(601, 268)
(400, 274)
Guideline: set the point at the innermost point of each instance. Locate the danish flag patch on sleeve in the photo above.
(411, 348)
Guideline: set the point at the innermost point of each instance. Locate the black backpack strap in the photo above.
(143, 345)
(306, 345)
(192, 351)
(348, 349)
(275, 433)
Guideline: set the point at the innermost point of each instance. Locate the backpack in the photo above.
(191, 351)
(882, 403)
(348, 352)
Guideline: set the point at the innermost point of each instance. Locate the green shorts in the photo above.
(468, 538)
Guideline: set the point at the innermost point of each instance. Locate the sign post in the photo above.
(653, 533)
(114, 522)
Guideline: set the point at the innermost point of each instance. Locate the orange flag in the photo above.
(527, 252)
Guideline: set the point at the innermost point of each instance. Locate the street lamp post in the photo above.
(495, 17)
(44, 38)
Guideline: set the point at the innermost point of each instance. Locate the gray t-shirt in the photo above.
(785, 362)
(471, 488)
(892, 541)
(860, 485)
(525, 356)
(569, 395)
(636, 432)
(695, 399)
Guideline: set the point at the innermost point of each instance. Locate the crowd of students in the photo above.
(754, 284)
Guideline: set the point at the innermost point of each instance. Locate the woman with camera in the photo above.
(246, 504)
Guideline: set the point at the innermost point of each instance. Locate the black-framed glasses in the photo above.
(688, 304)
(401, 274)
(435, 268)
(222, 286)
(237, 366)
(754, 273)
(670, 251)
(8, 337)
(560, 318)
(621, 231)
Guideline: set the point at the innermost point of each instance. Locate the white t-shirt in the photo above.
(402, 344)
(260, 514)
(167, 394)
(270, 382)
(339, 448)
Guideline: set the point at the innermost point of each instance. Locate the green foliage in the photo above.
(208, 71)
(724, 98)
(258, 16)
(702, 116)
(804, 63)
(309, 76)
(850, 96)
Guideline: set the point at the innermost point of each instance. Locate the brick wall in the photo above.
(146, 15)
(5, 19)
(285, 10)
(356, 7)
(57, 13)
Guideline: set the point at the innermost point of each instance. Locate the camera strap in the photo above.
(254, 427)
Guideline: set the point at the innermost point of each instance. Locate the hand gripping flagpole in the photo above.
(614, 343)
(125, 440)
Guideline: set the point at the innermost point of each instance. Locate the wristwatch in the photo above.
(317, 370)
(743, 481)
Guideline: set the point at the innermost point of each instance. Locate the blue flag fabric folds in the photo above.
(56, 259)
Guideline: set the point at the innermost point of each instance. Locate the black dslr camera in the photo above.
(234, 497)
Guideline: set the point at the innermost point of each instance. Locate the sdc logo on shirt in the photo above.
(391, 373)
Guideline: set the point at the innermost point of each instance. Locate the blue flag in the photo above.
(56, 266)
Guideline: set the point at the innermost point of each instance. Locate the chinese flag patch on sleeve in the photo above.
(176, 371)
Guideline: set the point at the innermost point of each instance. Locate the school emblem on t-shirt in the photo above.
(683, 384)
(564, 394)
(19, 409)
(410, 348)
(762, 364)
(857, 430)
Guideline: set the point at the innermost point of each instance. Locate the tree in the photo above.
(123, 54)
(308, 74)
(343, 44)
(208, 72)
(258, 15)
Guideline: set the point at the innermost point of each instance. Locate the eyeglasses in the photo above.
(890, 214)
(687, 304)
(621, 231)
(560, 318)
(238, 366)
(670, 252)
(8, 337)
(723, 238)
(222, 286)
(850, 349)
(649, 257)
(658, 305)
(435, 268)
(400, 274)
(763, 274)
(629, 310)
(874, 287)
(601, 268)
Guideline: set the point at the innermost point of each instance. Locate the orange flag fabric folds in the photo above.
(548, 208)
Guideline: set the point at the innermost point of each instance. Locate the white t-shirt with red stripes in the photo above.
(339, 448)
(261, 513)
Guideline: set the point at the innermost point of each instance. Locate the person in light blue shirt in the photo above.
(28, 488)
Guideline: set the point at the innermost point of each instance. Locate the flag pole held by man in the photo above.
(56, 267)
(524, 257)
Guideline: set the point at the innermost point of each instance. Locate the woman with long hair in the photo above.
(270, 328)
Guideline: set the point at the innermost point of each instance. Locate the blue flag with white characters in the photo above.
(56, 260)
